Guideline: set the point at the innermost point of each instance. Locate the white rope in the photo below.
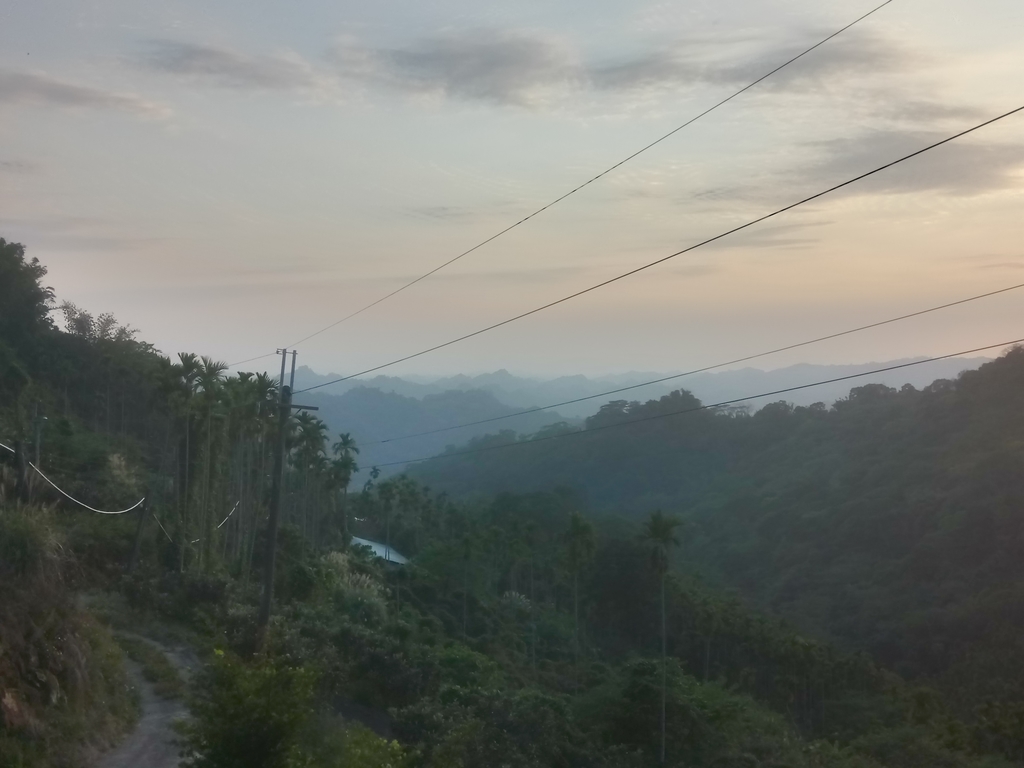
(196, 541)
(7, 447)
(229, 514)
(82, 504)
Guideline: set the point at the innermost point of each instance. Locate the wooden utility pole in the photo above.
(276, 484)
(283, 409)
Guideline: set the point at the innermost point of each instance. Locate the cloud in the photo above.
(968, 166)
(34, 89)
(794, 235)
(18, 166)
(963, 168)
(531, 68)
(917, 110)
(855, 53)
(505, 67)
(443, 212)
(537, 68)
(1001, 265)
(228, 69)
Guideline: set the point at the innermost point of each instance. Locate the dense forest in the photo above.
(553, 612)
(889, 522)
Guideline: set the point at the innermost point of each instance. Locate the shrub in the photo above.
(63, 689)
(248, 716)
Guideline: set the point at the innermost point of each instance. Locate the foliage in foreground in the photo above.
(262, 715)
(63, 690)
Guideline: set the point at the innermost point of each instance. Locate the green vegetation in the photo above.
(63, 692)
(530, 628)
(889, 523)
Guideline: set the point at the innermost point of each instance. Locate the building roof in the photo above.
(382, 551)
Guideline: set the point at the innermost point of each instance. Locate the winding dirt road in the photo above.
(152, 743)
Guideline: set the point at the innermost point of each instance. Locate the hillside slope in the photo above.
(890, 521)
(372, 415)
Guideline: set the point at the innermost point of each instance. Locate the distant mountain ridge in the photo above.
(373, 416)
(523, 392)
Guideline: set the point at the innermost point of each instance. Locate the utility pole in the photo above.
(276, 483)
(283, 408)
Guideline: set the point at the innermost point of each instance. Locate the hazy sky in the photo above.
(229, 177)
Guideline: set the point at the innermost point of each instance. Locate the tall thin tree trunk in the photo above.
(663, 668)
(533, 619)
(465, 592)
(576, 632)
(185, 497)
(344, 512)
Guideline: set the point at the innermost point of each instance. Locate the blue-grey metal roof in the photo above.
(382, 551)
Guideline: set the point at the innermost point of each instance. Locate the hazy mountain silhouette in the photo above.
(372, 415)
(523, 392)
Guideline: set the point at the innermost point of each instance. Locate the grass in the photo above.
(65, 694)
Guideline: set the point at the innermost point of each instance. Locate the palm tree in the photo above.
(321, 471)
(660, 534)
(579, 544)
(209, 379)
(188, 371)
(410, 501)
(386, 492)
(374, 474)
(310, 440)
(342, 469)
(344, 466)
(346, 445)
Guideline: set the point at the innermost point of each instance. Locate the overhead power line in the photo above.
(662, 260)
(590, 181)
(221, 525)
(82, 503)
(705, 369)
(720, 404)
(72, 498)
(250, 359)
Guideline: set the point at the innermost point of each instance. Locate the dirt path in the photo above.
(152, 743)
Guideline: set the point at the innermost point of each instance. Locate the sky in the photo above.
(229, 177)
